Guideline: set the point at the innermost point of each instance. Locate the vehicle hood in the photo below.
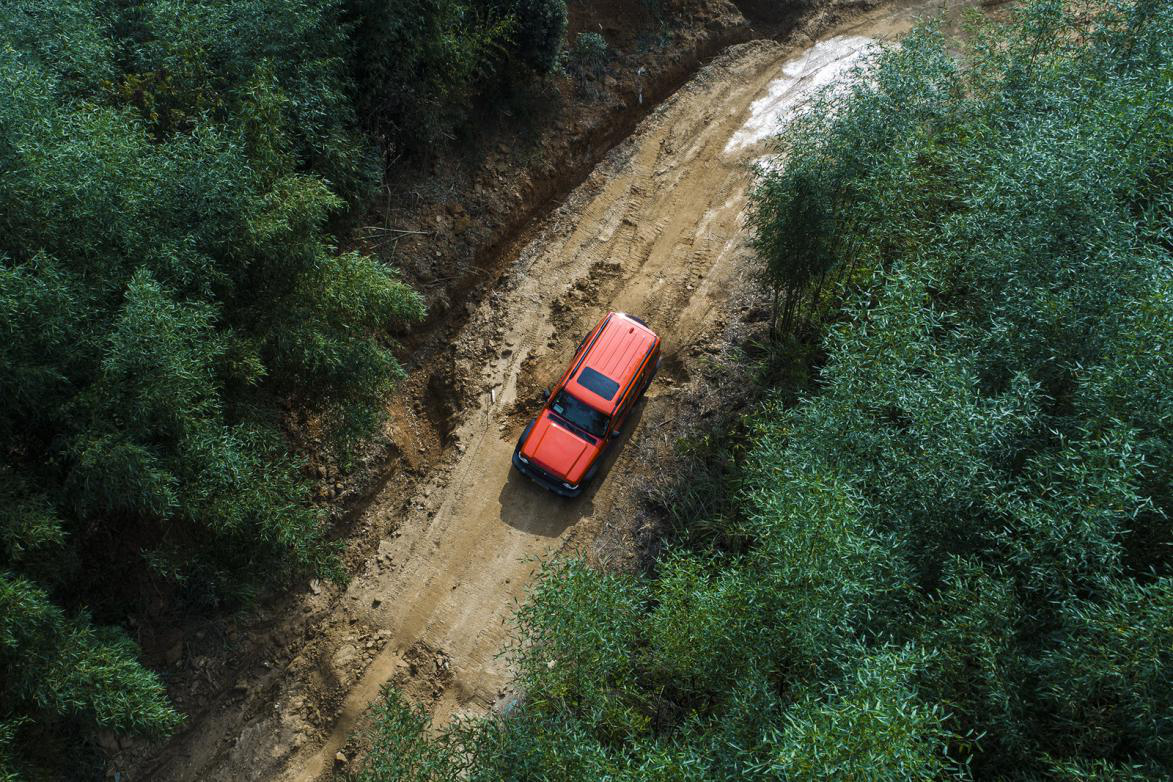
(558, 450)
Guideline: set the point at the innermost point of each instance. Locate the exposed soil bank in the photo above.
(439, 555)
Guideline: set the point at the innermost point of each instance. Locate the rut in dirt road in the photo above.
(656, 230)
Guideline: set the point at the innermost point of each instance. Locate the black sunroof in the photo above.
(599, 383)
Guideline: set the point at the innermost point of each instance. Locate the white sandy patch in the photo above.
(825, 63)
(766, 164)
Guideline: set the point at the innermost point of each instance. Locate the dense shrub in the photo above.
(168, 289)
(541, 27)
(957, 559)
(588, 56)
(419, 65)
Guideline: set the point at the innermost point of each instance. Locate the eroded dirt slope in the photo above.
(655, 230)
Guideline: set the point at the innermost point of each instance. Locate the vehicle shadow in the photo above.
(528, 507)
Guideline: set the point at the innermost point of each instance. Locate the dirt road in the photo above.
(656, 230)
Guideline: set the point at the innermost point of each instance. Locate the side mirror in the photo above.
(546, 394)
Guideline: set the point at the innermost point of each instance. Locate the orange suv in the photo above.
(563, 447)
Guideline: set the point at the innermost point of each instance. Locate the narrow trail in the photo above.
(657, 230)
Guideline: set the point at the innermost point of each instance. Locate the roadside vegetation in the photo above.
(952, 558)
(173, 175)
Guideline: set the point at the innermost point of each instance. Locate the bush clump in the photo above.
(589, 54)
(168, 291)
(541, 30)
(419, 65)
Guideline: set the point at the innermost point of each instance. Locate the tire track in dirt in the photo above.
(655, 230)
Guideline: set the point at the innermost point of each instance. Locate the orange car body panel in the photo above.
(624, 352)
(559, 451)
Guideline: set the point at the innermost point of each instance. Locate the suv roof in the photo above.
(615, 354)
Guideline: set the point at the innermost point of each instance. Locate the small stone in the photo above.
(340, 759)
(376, 603)
(315, 586)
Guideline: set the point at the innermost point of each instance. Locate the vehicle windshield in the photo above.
(579, 414)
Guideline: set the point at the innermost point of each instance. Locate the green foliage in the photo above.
(9, 771)
(578, 653)
(401, 749)
(588, 55)
(870, 726)
(172, 302)
(418, 64)
(703, 632)
(953, 560)
(69, 668)
(168, 290)
(849, 198)
(1107, 678)
(541, 27)
(66, 39)
(66, 670)
(201, 60)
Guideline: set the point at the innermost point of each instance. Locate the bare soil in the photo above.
(445, 546)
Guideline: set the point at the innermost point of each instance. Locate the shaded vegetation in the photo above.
(171, 290)
(419, 64)
(953, 560)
